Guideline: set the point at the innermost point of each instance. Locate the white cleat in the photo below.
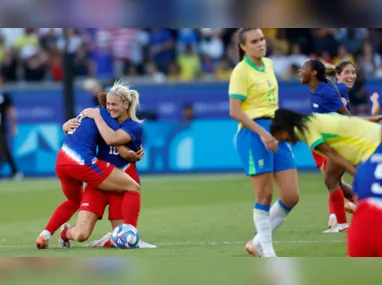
(339, 228)
(101, 242)
(61, 242)
(332, 221)
(142, 244)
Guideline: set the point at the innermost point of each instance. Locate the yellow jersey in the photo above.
(353, 138)
(257, 87)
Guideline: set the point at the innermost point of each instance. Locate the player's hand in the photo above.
(374, 97)
(140, 154)
(90, 113)
(269, 141)
(71, 125)
(344, 101)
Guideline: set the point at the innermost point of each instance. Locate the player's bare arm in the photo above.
(330, 153)
(130, 155)
(111, 137)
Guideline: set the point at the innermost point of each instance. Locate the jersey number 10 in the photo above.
(113, 151)
(376, 187)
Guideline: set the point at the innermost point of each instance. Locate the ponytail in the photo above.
(134, 104)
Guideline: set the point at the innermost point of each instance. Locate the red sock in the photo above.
(332, 210)
(336, 198)
(63, 234)
(131, 206)
(108, 244)
(61, 215)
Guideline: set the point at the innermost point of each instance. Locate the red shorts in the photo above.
(320, 160)
(93, 174)
(365, 232)
(95, 200)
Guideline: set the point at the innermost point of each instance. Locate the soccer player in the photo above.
(121, 103)
(253, 93)
(350, 142)
(364, 237)
(325, 98)
(77, 164)
(346, 140)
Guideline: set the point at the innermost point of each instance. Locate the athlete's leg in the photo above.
(286, 179)
(258, 164)
(333, 174)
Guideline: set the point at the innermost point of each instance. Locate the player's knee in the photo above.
(263, 198)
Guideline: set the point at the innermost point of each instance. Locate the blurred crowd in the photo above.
(162, 55)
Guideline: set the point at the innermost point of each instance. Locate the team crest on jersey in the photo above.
(269, 83)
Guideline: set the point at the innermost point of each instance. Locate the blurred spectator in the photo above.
(223, 70)
(358, 96)
(188, 113)
(369, 62)
(186, 54)
(189, 64)
(342, 55)
(162, 49)
(7, 117)
(174, 72)
(154, 75)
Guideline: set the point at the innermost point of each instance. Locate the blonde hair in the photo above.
(127, 95)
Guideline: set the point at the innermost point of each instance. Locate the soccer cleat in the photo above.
(332, 221)
(350, 207)
(61, 242)
(254, 250)
(101, 242)
(142, 244)
(42, 243)
(339, 228)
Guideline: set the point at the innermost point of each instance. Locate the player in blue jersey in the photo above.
(77, 164)
(365, 232)
(121, 103)
(325, 98)
(328, 97)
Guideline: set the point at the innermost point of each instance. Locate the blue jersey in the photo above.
(81, 144)
(325, 99)
(110, 154)
(368, 178)
(344, 94)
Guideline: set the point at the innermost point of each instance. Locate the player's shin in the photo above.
(262, 220)
(131, 206)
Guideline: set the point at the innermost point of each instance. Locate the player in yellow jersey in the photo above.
(253, 93)
(347, 140)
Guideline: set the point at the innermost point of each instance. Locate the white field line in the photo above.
(211, 243)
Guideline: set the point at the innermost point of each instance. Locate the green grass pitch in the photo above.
(186, 216)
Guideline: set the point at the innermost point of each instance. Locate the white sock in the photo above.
(277, 215)
(262, 222)
(45, 234)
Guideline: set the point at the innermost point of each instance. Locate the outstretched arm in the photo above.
(332, 154)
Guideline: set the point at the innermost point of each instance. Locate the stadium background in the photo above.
(182, 77)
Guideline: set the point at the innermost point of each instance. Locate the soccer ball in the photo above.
(125, 236)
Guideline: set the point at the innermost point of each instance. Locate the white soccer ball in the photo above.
(125, 236)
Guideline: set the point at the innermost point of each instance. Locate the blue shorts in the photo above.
(256, 158)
